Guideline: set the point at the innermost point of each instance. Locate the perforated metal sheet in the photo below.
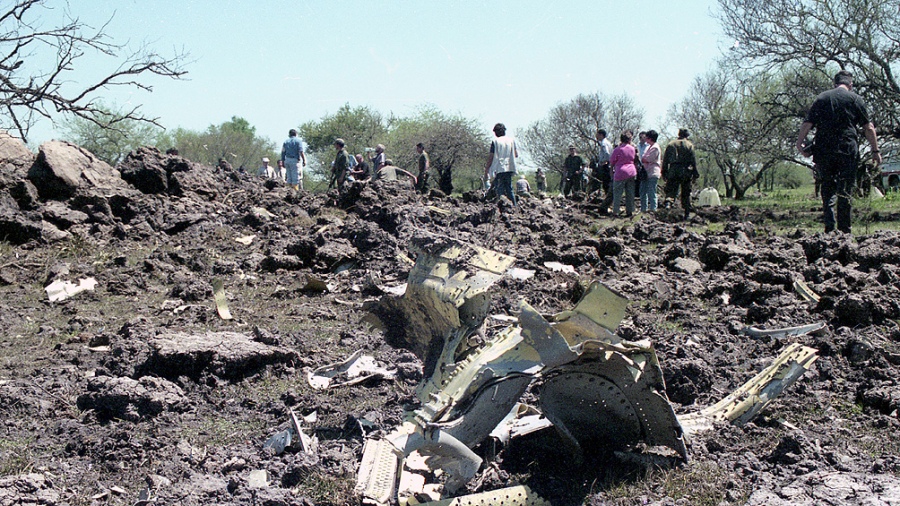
(630, 397)
(591, 408)
(377, 477)
(513, 496)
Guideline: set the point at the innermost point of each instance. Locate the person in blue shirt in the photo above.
(291, 155)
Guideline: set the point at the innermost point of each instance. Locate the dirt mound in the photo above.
(139, 387)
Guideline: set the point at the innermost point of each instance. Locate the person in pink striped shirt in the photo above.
(624, 174)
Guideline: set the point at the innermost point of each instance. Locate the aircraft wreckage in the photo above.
(596, 389)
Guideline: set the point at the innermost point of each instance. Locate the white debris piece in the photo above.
(62, 290)
(559, 267)
(357, 368)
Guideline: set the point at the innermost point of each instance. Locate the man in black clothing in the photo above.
(835, 114)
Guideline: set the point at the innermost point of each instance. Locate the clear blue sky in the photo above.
(279, 64)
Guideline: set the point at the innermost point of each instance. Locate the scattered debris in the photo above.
(62, 290)
(511, 496)
(559, 267)
(805, 291)
(283, 439)
(219, 296)
(397, 290)
(801, 330)
(316, 284)
(357, 368)
(258, 478)
(746, 402)
(520, 274)
(521, 420)
(709, 197)
(280, 441)
(598, 391)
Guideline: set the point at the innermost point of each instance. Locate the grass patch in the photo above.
(221, 431)
(328, 490)
(16, 456)
(798, 208)
(700, 484)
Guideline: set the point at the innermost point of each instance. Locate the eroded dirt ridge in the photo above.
(139, 391)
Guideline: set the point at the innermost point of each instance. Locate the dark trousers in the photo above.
(838, 174)
(504, 185)
(674, 186)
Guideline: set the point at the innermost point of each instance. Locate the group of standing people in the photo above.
(627, 170)
(345, 167)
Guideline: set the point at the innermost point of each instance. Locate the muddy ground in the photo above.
(139, 389)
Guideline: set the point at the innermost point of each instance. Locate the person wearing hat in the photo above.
(266, 171)
(523, 188)
(574, 167)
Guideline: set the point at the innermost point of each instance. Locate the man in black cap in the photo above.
(835, 114)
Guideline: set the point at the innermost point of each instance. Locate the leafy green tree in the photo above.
(454, 144)
(576, 122)
(235, 141)
(360, 127)
(110, 134)
(456, 147)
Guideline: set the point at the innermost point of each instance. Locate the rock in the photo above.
(229, 355)
(830, 487)
(717, 255)
(859, 350)
(686, 265)
(62, 216)
(15, 159)
(885, 399)
(287, 262)
(27, 489)
(855, 310)
(13, 150)
(62, 168)
(130, 399)
(19, 227)
(26, 194)
(145, 169)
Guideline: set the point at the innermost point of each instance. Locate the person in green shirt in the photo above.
(424, 165)
(679, 168)
(341, 165)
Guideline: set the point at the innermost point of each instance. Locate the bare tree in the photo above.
(577, 121)
(743, 124)
(37, 66)
(455, 146)
(862, 36)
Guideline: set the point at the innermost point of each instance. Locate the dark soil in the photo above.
(139, 387)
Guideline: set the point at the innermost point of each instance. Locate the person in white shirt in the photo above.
(266, 171)
(501, 163)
